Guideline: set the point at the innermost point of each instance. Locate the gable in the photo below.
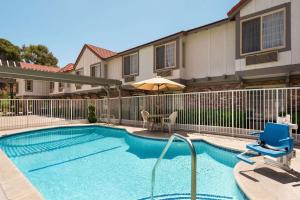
(86, 58)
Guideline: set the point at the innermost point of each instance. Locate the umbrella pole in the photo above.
(158, 99)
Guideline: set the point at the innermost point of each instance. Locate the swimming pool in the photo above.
(94, 162)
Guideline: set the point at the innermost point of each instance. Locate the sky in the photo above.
(64, 26)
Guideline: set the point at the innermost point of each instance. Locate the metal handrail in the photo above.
(193, 164)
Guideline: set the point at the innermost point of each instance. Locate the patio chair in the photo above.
(145, 116)
(170, 121)
(275, 142)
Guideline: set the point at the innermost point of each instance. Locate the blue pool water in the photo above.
(86, 163)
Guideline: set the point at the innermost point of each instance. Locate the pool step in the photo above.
(179, 196)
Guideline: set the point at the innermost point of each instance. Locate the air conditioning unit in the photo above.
(129, 79)
(164, 73)
(267, 57)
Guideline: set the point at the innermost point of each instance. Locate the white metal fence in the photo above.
(21, 113)
(235, 112)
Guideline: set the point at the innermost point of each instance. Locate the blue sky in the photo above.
(66, 25)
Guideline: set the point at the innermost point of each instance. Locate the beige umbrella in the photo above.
(158, 84)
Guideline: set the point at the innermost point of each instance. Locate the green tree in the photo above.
(8, 51)
(38, 54)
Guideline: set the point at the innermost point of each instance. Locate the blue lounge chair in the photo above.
(274, 141)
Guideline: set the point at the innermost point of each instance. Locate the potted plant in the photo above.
(92, 116)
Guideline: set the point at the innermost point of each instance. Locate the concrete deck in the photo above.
(262, 181)
(258, 181)
(14, 122)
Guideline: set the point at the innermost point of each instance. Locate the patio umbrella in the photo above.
(158, 84)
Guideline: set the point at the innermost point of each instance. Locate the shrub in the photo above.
(213, 117)
(92, 116)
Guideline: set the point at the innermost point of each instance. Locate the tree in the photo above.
(38, 54)
(8, 51)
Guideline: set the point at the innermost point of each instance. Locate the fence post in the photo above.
(51, 108)
(277, 105)
(27, 112)
(71, 109)
(199, 112)
(120, 105)
(232, 113)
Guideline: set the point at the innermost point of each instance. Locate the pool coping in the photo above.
(14, 184)
(26, 188)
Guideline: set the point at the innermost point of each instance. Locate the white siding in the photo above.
(210, 53)
(284, 58)
(87, 59)
(259, 5)
(114, 68)
(146, 63)
(39, 88)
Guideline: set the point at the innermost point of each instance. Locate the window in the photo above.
(97, 71)
(60, 87)
(131, 64)
(78, 86)
(165, 56)
(93, 71)
(251, 35)
(51, 87)
(263, 33)
(273, 30)
(28, 85)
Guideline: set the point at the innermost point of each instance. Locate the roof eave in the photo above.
(236, 9)
(146, 44)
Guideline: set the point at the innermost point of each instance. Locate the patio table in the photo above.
(156, 119)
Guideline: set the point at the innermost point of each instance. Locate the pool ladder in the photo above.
(193, 164)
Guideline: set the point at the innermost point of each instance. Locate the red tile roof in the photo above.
(237, 7)
(101, 52)
(68, 68)
(36, 67)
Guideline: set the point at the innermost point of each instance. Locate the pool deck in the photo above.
(258, 181)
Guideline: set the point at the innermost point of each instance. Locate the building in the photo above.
(257, 46)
